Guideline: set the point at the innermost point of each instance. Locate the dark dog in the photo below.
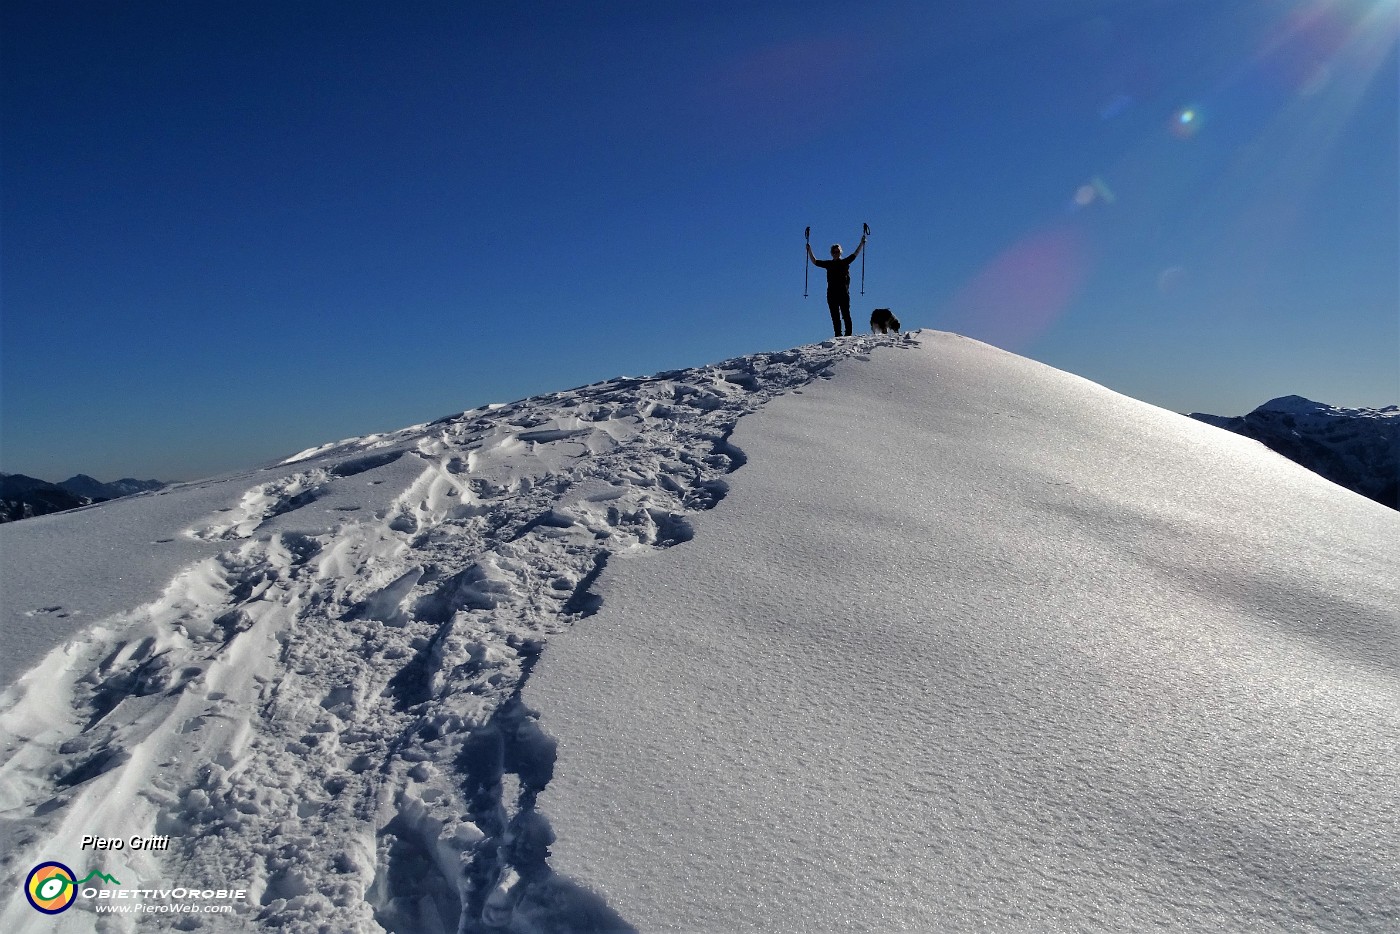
(882, 321)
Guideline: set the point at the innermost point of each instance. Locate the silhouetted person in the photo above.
(838, 284)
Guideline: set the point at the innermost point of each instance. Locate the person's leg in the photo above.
(834, 303)
(845, 313)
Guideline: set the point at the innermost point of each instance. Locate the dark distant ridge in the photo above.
(83, 485)
(1355, 448)
(24, 497)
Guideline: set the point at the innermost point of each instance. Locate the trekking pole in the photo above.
(808, 237)
(866, 229)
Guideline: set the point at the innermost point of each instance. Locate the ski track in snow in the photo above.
(332, 719)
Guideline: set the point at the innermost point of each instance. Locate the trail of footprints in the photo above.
(334, 718)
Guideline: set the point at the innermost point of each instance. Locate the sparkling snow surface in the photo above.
(884, 633)
(976, 645)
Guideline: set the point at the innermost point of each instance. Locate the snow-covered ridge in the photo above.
(1357, 448)
(326, 710)
(969, 643)
(1319, 412)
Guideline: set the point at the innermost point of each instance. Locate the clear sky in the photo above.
(233, 230)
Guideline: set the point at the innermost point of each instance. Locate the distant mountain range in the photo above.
(24, 497)
(1355, 448)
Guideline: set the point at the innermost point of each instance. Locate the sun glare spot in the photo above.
(1186, 122)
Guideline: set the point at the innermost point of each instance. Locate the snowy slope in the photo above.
(974, 644)
(307, 675)
(967, 643)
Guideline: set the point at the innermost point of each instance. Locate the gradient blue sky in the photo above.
(233, 230)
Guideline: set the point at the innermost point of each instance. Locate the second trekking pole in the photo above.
(866, 230)
(808, 237)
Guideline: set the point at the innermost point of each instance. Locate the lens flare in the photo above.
(1020, 293)
(1186, 122)
(1095, 190)
(1170, 279)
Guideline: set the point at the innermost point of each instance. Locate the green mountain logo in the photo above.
(97, 875)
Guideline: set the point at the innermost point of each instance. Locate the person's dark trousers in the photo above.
(840, 305)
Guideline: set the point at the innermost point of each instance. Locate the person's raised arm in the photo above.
(858, 248)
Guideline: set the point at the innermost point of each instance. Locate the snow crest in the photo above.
(328, 713)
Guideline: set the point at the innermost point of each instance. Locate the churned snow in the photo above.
(896, 633)
(308, 675)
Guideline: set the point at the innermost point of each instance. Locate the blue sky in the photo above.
(230, 231)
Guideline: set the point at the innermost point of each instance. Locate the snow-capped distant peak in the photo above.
(1300, 406)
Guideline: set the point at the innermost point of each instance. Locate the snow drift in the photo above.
(938, 639)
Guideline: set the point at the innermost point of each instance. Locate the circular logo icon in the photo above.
(51, 887)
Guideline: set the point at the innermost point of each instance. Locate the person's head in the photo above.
(836, 251)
